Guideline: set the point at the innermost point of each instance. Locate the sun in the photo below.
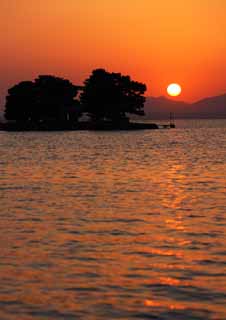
(174, 89)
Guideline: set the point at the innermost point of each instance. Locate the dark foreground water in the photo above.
(114, 225)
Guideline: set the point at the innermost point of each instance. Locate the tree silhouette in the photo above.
(111, 95)
(55, 97)
(20, 101)
(47, 98)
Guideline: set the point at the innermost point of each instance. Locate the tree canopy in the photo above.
(48, 97)
(104, 96)
(111, 95)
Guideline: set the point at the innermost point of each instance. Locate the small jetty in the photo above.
(166, 126)
(169, 125)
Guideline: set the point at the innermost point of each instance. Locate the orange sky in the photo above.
(156, 42)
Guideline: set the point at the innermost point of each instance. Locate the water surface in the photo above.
(114, 225)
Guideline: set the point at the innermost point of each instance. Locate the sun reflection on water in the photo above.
(125, 224)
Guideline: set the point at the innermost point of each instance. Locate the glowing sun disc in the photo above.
(174, 90)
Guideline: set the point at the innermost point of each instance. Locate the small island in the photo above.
(104, 102)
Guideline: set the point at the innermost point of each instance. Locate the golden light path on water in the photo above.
(113, 225)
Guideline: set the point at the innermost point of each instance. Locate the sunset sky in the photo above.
(156, 42)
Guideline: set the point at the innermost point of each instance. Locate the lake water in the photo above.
(114, 225)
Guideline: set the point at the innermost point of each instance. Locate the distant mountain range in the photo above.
(160, 108)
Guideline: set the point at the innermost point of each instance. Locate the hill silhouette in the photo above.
(160, 108)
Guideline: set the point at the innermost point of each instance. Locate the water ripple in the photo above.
(115, 225)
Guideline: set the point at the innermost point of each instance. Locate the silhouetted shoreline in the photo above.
(68, 126)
